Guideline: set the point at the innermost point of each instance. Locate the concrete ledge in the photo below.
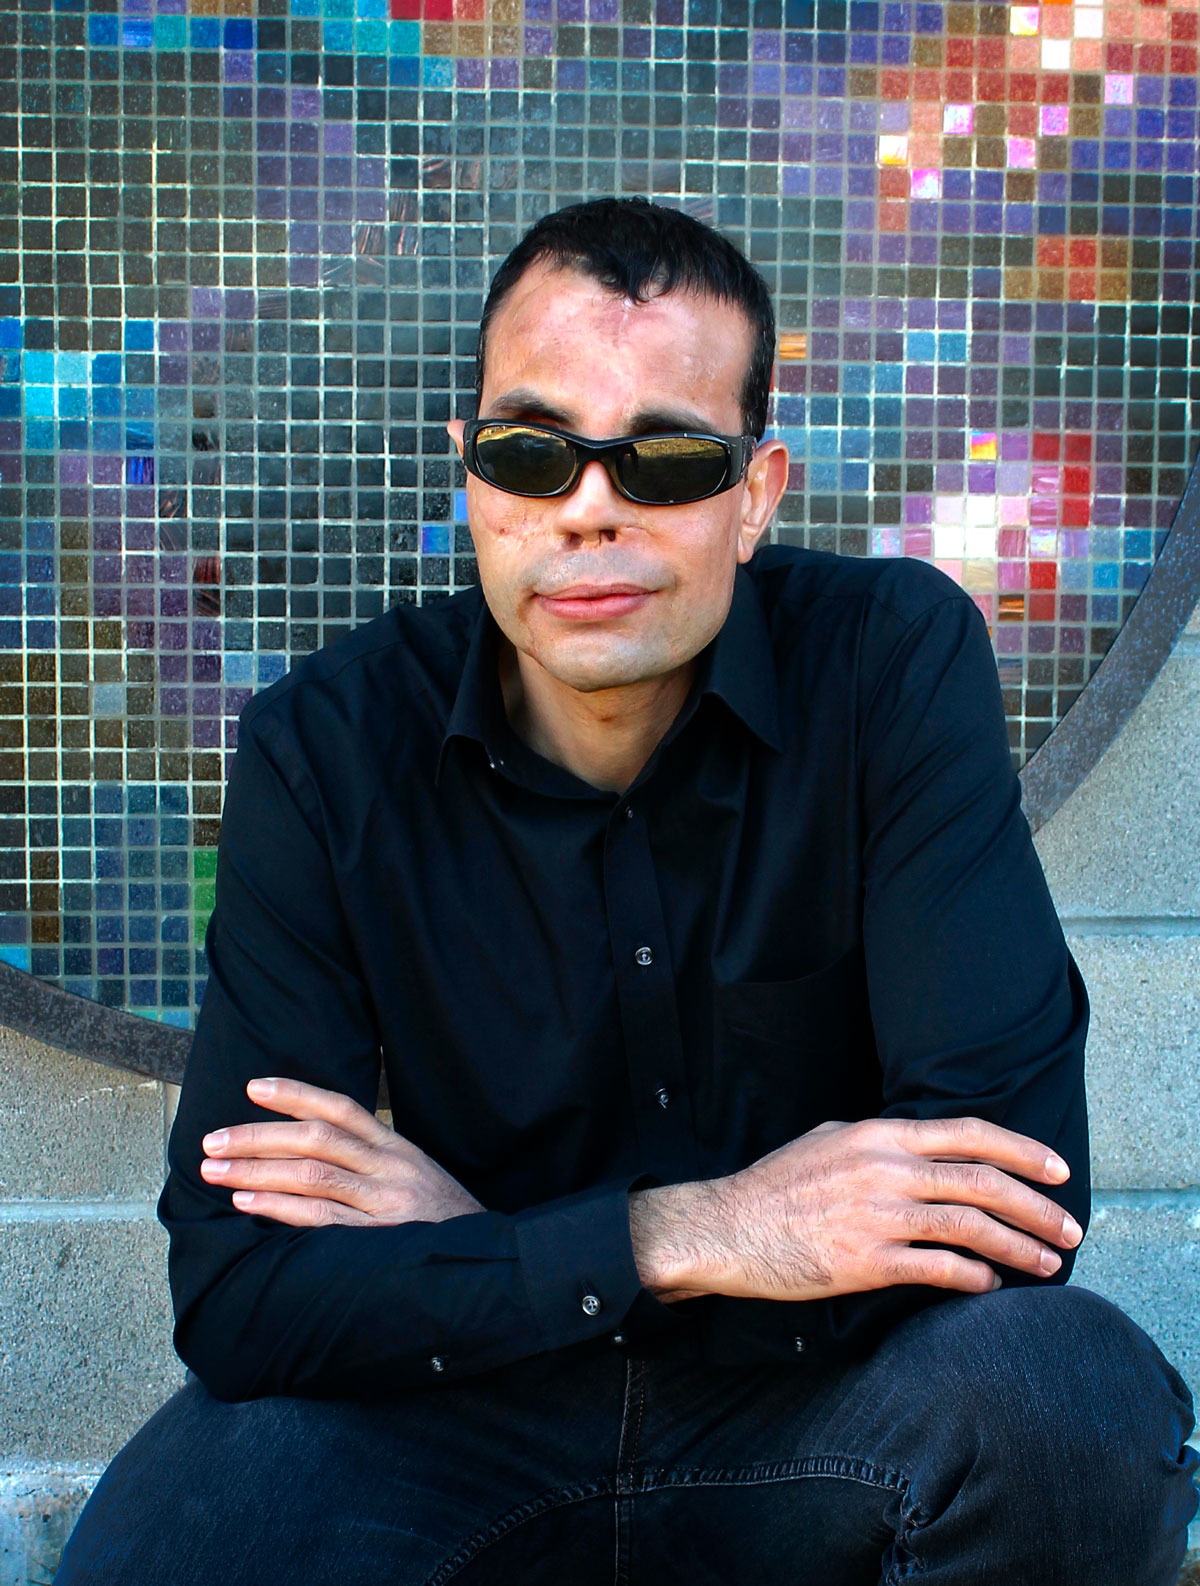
(1143, 1059)
(39, 1505)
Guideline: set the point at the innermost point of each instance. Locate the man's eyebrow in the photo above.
(526, 403)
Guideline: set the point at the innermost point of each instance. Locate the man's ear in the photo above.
(766, 480)
(455, 431)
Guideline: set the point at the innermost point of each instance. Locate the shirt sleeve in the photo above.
(262, 1307)
(978, 1008)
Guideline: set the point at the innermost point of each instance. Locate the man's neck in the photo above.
(604, 737)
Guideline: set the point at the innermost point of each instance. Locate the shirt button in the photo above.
(627, 812)
(438, 1362)
(591, 1304)
(799, 1343)
(644, 957)
(618, 1338)
(663, 1098)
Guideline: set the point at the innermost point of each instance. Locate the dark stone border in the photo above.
(86, 1029)
(143, 1046)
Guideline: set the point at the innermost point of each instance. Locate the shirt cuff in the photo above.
(576, 1259)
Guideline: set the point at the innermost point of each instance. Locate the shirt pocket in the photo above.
(792, 1054)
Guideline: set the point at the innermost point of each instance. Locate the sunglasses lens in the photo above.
(673, 468)
(525, 461)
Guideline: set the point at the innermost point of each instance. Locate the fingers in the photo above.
(977, 1184)
(974, 1139)
(300, 1211)
(328, 1123)
(282, 1140)
(943, 1269)
(295, 1178)
(301, 1100)
(972, 1229)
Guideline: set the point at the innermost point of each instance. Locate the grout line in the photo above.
(18, 1476)
(1160, 925)
(1187, 1199)
(1187, 647)
(52, 1211)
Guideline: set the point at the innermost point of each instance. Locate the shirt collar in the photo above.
(738, 667)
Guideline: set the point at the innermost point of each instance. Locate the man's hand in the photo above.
(338, 1164)
(836, 1211)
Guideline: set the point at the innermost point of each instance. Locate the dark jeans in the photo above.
(1030, 1437)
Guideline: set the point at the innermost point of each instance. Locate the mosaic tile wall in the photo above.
(244, 252)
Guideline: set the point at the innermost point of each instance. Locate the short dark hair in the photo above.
(639, 249)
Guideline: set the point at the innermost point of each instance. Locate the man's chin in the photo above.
(593, 674)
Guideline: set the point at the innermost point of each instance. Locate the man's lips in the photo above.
(595, 600)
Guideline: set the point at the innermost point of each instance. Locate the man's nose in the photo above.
(593, 506)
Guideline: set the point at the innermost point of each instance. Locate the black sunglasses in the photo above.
(656, 470)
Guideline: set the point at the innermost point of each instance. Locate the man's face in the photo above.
(599, 591)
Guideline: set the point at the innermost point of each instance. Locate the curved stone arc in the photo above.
(143, 1046)
(1119, 684)
(85, 1028)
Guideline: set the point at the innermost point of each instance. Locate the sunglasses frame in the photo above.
(739, 451)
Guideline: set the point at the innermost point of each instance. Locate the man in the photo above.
(727, 1026)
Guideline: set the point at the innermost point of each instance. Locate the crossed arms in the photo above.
(830, 1213)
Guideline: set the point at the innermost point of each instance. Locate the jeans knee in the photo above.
(1078, 1347)
(1058, 1414)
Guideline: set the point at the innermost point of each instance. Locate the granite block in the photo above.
(1143, 1059)
(1142, 1252)
(85, 1332)
(1127, 841)
(74, 1130)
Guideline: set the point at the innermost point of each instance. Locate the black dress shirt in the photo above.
(818, 900)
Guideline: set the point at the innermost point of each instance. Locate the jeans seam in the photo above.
(627, 1447)
(556, 1498)
(842, 1466)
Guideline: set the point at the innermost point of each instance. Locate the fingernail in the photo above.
(1072, 1230)
(997, 1282)
(261, 1087)
(215, 1142)
(1050, 1262)
(215, 1169)
(1057, 1168)
(242, 1197)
